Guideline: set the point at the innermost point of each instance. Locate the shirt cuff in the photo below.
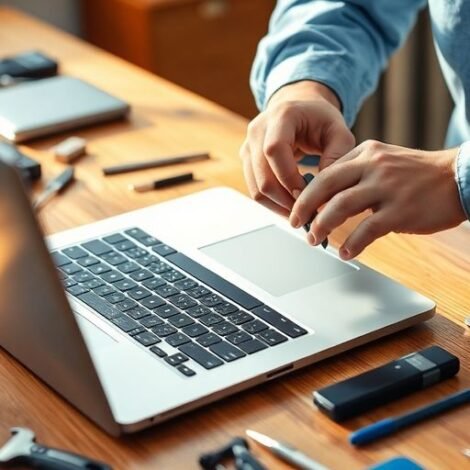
(330, 72)
(462, 176)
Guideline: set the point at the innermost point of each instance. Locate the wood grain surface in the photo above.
(168, 120)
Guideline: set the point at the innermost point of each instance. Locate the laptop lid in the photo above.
(37, 326)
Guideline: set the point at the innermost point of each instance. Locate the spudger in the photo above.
(55, 186)
(174, 160)
(163, 183)
(307, 178)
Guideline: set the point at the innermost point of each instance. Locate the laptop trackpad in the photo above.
(277, 261)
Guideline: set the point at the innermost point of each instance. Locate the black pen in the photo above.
(55, 186)
(174, 160)
(163, 183)
(307, 178)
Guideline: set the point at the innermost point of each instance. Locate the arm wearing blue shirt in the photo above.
(343, 44)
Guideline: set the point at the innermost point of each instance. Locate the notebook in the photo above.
(56, 104)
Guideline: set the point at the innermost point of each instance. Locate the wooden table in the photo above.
(166, 120)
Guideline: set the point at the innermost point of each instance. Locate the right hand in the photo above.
(301, 118)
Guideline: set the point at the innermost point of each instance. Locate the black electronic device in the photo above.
(386, 383)
(31, 64)
(30, 170)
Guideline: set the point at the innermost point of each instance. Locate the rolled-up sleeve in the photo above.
(462, 174)
(343, 44)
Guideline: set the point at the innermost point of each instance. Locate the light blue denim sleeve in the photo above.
(343, 44)
(462, 174)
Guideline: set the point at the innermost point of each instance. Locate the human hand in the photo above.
(408, 191)
(301, 118)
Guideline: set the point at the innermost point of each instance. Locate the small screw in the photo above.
(467, 321)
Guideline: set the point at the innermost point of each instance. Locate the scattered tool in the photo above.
(467, 321)
(389, 426)
(307, 178)
(466, 452)
(70, 149)
(238, 449)
(22, 449)
(166, 161)
(55, 186)
(286, 452)
(163, 183)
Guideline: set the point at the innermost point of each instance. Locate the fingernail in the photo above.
(294, 220)
(345, 253)
(311, 238)
(296, 193)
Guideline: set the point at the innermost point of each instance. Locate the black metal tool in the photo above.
(307, 178)
(22, 449)
(238, 449)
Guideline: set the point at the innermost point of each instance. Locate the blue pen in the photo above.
(388, 426)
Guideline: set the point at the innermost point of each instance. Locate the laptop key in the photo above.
(163, 250)
(104, 290)
(115, 297)
(149, 241)
(200, 355)
(196, 329)
(146, 259)
(150, 321)
(238, 337)
(125, 245)
(125, 323)
(71, 269)
(76, 290)
(75, 252)
(142, 236)
(199, 291)
(59, 259)
(136, 331)
(112, 276)
(209, 339)
(153, 283)
(182, 301)
(125, 285)
(172, 275)
(68, 283)
(88, 261)
(115, 238)
(125, 305)
(158, 351)
(158, 267)
(186, 284)
(198, 311)
(141, 275)
(99, 305)
(214, 281)
(128, 267)
(185, 370)
(254, 326)
(135, 233)
(136, 252)
(181, 320)
(114, 258)
(82, 277)
(225, 328)
(97, 247)
(177, 339)
(137, 312)
(99, 268)
(271, 337)
(138, 293)
(166, 311)
(153, 302)
(226, 351)
(252, 346)
(93, 283)
(279, 322)
(211, 300)
(176, 359)
(147, 338)
(167, 291)
(239, 318)
(164, 330)
(225, 308)
(211, 319)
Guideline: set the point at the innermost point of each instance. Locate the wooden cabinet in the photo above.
(204, 45)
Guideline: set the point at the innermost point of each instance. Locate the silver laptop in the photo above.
(177, 305)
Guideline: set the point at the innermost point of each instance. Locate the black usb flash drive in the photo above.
(389, 382)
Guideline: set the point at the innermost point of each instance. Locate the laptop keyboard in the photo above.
(157, 295)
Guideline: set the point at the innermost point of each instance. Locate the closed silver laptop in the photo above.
(156, 312)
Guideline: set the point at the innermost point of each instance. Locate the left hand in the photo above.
(408, 191)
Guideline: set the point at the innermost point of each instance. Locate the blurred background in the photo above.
(208, 46)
